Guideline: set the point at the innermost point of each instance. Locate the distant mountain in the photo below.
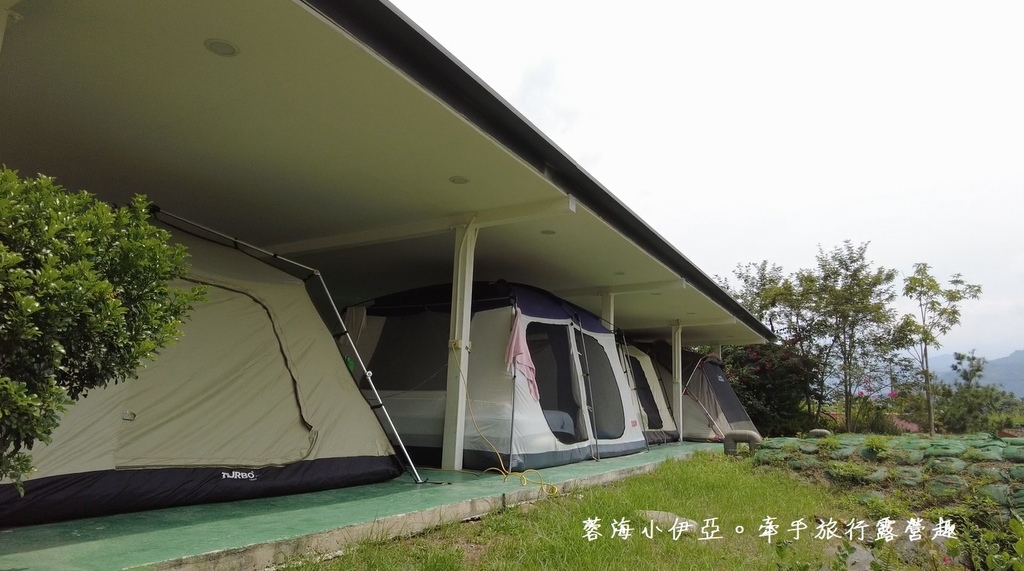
(941, 364)
(1006, 371)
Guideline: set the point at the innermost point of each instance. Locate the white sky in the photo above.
(745, 131)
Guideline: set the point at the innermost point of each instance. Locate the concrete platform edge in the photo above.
(330, 543)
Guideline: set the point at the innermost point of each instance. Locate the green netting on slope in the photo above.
(945, 448)
(846, 471)
(842, 453)
(878, 475)
(984, 454)
(769, 456)
(979, 442)
(809, 448)
(848, 439)
(871, 455)
(910, 444)
(777, 443)
(871, 496)
(945, 465)
(908, 475)
(906, 456)
(805, 463)
(1009, 495)
(987, 471)
(946, 486)
(912, 450)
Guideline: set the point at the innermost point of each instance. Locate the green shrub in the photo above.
(846, 472)
(827, 445)
(84, 297)
(991, 551)
(877, 444)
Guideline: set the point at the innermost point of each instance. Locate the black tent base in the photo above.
(107, 492)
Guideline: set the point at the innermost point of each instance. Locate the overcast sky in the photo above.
(747, 131)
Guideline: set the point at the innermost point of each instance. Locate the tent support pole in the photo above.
(718, 429)
(459, 345)
(156, 212)
(581, 350)
(707, 413)
(7, 14)
(677, 377)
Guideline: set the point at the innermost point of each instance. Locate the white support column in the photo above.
(677, 377)
(718, 350)
(459, 347)
(608, 310)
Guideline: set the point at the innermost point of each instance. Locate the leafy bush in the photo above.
(84, 297)
(848, 472)
(966, 408)
(775, 383)
(991, 551)
(878, 445)
(871, 415)
(828, 444)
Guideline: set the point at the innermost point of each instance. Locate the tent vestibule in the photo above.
(710, 405)
(254, 400)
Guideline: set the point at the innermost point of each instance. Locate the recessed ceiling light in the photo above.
(548, 232)
(220, 47)
(691, 313)
(458, 180)
(619, 273)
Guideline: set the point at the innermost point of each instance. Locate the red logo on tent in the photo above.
(632, 423)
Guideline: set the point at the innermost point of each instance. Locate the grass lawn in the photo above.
(550, 534)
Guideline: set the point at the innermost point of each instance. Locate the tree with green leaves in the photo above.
(938, 312)
(85, 296)
(787, 304)
(772, 382)
(853, 299)
(969, 367)
(968, 406)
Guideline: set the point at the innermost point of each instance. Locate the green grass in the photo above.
(549, 534)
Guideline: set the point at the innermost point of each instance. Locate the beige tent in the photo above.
(710, 405)
(651, 390)
(254, 400)
(714, 408)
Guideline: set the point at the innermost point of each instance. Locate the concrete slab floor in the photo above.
(255, 534)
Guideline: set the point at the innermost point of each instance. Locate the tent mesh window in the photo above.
(549, 348)
(725, 395)
(643, 392)
(412, 354)
(609, 418)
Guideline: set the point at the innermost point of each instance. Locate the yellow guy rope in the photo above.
(548, 488)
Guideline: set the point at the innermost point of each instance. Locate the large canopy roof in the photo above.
(339, 134)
